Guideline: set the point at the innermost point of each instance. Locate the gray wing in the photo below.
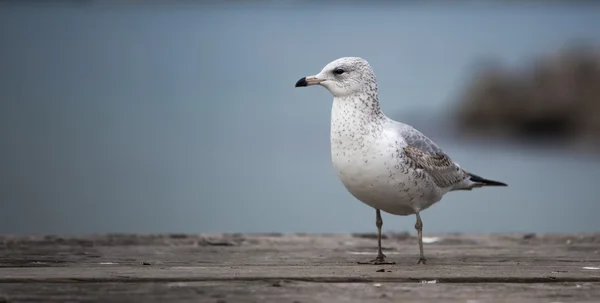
(426, 155)
(417, 139)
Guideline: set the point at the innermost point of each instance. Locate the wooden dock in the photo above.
(299, 268)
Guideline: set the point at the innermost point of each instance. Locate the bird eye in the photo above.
(338, 71)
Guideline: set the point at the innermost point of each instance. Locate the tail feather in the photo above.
(484, 182)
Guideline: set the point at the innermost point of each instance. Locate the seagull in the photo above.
(383, 163)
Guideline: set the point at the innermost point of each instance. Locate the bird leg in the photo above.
(419, 228)
(381, 258)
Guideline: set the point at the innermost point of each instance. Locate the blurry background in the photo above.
(184, 117)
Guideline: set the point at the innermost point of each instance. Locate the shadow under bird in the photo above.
(386, 164)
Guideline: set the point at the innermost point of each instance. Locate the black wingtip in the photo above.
(486, 182)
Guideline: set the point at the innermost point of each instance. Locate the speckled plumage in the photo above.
(384, 163)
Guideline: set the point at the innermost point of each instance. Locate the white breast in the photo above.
(365, 157)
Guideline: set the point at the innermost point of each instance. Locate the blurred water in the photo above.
(184, 118)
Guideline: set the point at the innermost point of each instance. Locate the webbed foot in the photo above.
(380, 260)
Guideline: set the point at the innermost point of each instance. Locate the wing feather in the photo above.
(442, 170)
(427, 156)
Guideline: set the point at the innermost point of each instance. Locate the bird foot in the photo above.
(380, 260)
(422, 261)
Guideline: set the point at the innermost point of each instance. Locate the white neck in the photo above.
(355, 120)
(361, 107)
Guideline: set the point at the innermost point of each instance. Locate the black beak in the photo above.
(302, 82)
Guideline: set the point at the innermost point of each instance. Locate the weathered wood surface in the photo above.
(299, 268)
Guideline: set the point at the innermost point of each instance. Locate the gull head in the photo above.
(343, 77)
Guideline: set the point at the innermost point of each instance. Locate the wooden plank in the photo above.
(493, 273)
(304, 292)
(301, 268)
